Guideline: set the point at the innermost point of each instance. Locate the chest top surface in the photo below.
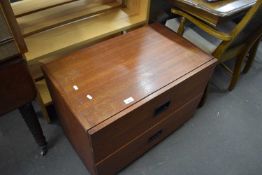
(100, 81)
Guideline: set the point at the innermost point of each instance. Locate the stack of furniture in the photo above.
(54, 28)
(219, 36)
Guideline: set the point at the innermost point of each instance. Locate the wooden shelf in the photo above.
(80, 33)
(60, 15)
(44, 93)
(26, 7)
(52, 31)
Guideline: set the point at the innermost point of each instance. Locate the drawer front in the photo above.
(17, 86)
(7, 50)
(151, 137)
(5, 33)
(118, 133)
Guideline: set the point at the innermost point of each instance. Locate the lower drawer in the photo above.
(148, 139)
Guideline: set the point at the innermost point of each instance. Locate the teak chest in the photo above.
(118, 98)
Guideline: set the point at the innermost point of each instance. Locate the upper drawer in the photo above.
(112, 136)
(5, 33)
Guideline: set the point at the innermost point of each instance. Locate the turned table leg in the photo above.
(30, 118)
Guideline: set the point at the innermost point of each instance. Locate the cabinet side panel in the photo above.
(75, 133)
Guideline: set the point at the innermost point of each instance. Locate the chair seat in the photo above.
(198, 37)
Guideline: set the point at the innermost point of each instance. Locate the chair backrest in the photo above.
(247, 31)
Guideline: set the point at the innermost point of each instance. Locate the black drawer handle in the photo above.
(155, 136)
(162, 108)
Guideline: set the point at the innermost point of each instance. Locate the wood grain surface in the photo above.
(27, 7)
(215, 12)
(114, 135)
(118, 98)
(221, 7)
(81, 33)
(61, 15)
(134, 65)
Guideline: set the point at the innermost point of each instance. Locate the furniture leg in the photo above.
(181, 28)
(30, 118)
(236, 73)
(251, 57)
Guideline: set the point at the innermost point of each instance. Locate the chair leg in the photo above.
(251, 57)
(236, 73)
(181, 28)
(28, 113)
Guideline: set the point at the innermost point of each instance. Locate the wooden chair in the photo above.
(225, 42)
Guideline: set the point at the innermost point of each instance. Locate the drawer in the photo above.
(17, 86)
(7, 50)
(144, 142)
(5, 33)
(112, 136)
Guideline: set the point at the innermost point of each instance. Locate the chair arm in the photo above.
(215, 33)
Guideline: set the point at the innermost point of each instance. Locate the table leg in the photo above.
(30, 118)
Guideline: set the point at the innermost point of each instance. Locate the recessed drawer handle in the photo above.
(162, 108)
(155, 136)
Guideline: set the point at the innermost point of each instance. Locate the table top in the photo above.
(221, 8)
(115, 75)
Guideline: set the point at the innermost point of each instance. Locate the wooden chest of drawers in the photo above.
(122, 96)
